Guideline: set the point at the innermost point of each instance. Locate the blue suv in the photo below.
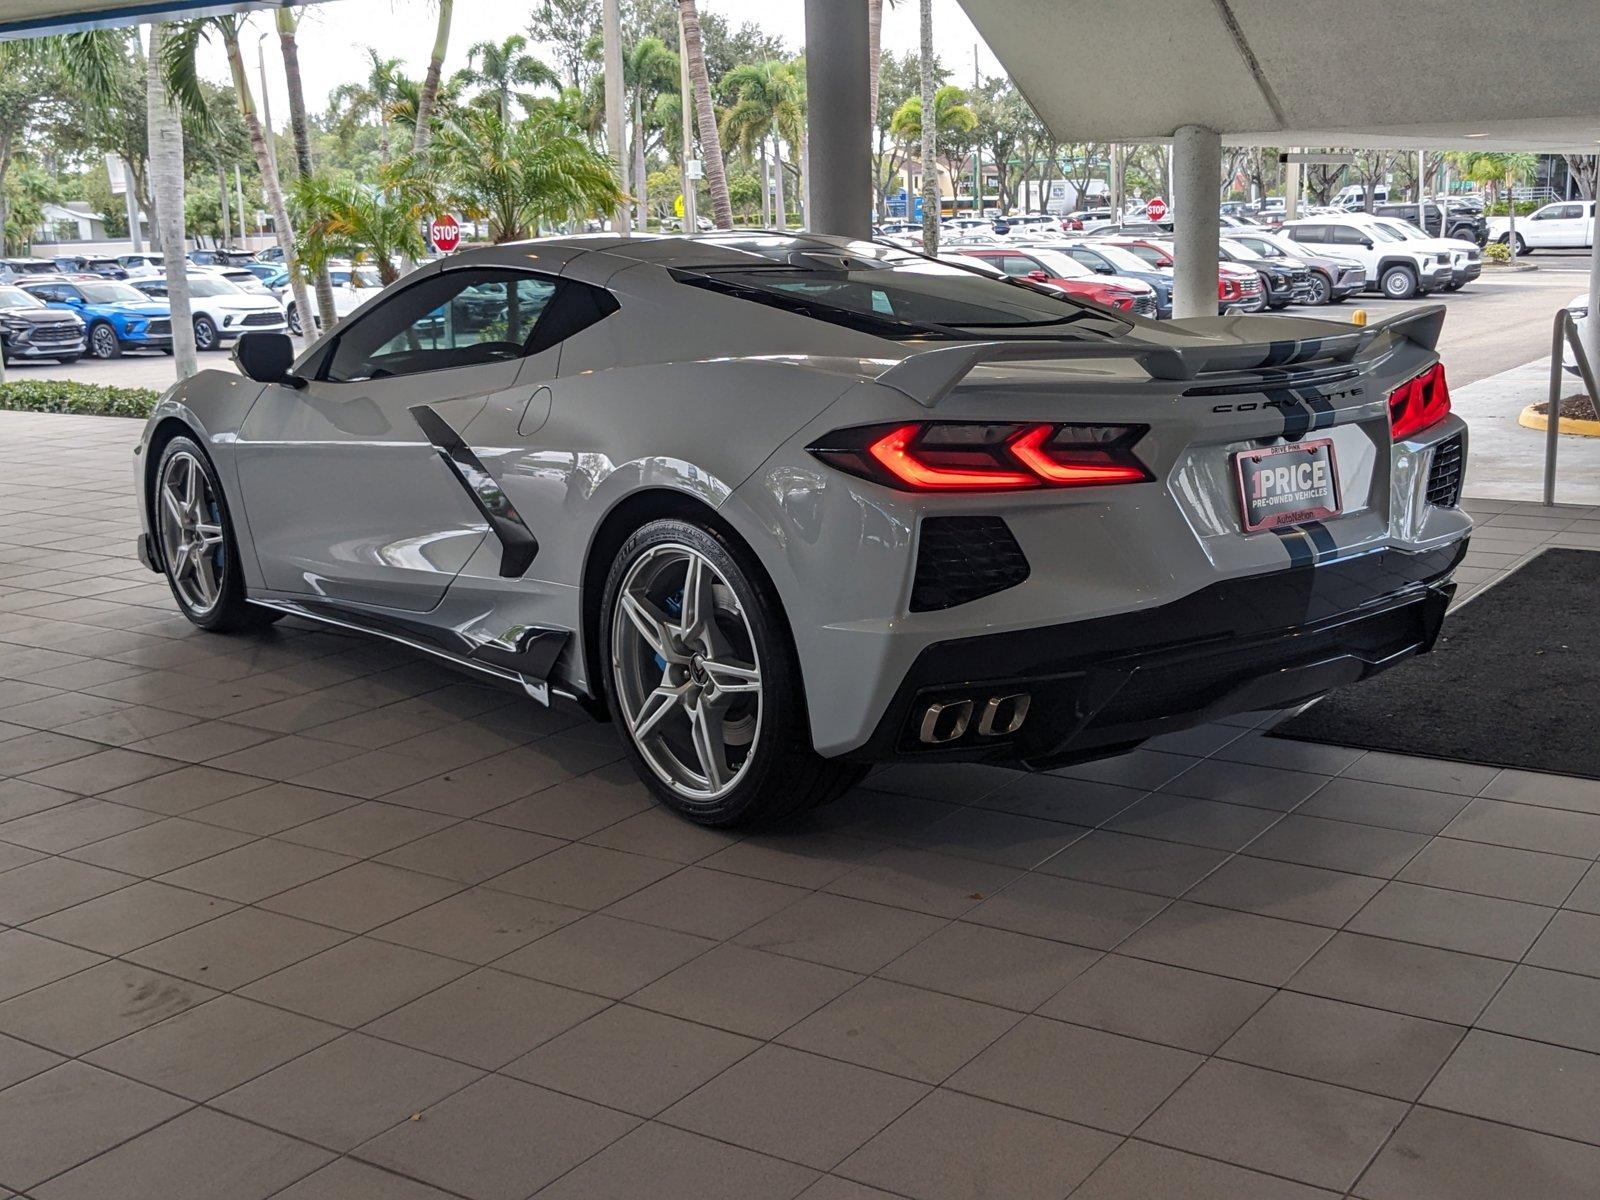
(117, 316)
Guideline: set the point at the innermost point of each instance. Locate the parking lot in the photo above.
(307, 916)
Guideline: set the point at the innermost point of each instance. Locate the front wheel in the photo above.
(199, 552)
(103, 342)
(1321, 290)
(704, 682)
(205, 334)
(1399, 283)
(294, 320)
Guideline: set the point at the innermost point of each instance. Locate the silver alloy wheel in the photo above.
(294, 320)
(687, 671)
(104, 342)
(190, 527)
(205, 334)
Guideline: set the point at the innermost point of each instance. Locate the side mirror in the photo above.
(266, 358)
(1367, 242)
(1038, 276)
(1104, 270)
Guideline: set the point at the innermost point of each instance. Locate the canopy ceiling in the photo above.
(36, 18)
(1413, 74)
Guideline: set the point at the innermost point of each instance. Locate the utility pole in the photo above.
(611, 23)
(691, 217)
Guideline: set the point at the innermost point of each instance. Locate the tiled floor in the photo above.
(304, 916)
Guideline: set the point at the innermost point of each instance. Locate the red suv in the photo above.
(1061, 270)
(1238, 288)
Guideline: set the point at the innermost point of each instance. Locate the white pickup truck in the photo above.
(1564, 225)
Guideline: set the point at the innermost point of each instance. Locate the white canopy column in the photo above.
(1196, 167)
(838, 126)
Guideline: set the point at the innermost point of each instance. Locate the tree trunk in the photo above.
(430, 83)
(640, 185)
(269, 179)
(874, 57)
(288, 18)
(766, 189)
(779, 205)
(166, 179)
(930, 138)
(706, 114)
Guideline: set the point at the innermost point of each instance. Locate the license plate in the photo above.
(1288, 485)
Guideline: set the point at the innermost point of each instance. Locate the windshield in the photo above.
(1382, 232)
(11, 297)
(1261, 249)
(894, 294)
(1060, 266)
(364, 279)
(211, 285)
(1409, 233)
(111, 293)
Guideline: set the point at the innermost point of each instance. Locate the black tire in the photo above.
(1321, 289)
(232, 612)
(1451, 287)
(205, 334)
(1398, 282)
(69, 359)
(103, 343)
(293, 318)
(167, 350)
(783, 775)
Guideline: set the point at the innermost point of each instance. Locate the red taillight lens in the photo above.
(946, 456)
(1418, 404)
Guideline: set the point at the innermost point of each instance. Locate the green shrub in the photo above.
(82, 399)
(1497, 252)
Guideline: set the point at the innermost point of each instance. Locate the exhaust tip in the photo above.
(1004, 715)
(945, 722)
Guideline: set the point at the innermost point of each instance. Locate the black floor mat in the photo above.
(1514, 680)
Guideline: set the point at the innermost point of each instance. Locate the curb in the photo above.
(1537, 420)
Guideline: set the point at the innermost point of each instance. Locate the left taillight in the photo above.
(1418, 404)
(964, 456)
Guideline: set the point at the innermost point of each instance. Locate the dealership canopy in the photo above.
(36, 18)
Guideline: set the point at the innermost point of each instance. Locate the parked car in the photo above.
(1466, 259)
(19, 267)
(1333, 278)
(1564, 225)
(1239, 289)
(222, 311)
(1285, 282)
(1353, 197)
(29, 329)
(1395, 266)
(221, 258)
(352, 287)
(117, 317)
(1104, 258)
(645, 493)
(1155, 229)
(272, 254)
(83, 264)
(1459, 223)
(1088, 219)
(142, 264)
(1061, 270)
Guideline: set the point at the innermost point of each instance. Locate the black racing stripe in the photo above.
(1280, 352)
(1322, 539)
(1301, 551)
(1321, 407)
(1296, 416)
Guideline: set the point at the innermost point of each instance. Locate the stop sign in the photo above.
(445, 231)
(1156, 210)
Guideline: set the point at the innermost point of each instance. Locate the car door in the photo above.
(1554, 225)
(349, 495)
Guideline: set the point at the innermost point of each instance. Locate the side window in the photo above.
(453, 319)
(1017, 264)
(1347, 235)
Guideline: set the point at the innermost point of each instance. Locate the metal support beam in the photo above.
(1196, 171)
(839, 136)
(1591, 339)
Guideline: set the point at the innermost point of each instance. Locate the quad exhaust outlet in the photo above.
(946, 721)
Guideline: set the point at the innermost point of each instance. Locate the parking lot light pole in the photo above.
(1197, 228)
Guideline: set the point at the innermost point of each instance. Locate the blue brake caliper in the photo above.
(674, 606)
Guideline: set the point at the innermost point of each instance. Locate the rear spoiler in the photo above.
(932, 375)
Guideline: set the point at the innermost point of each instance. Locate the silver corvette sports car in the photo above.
(784, 506)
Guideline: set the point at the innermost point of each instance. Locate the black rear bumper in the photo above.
(1101, 686)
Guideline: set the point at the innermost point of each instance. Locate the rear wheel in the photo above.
(704, 682)
(199, 553)
(1399, 283)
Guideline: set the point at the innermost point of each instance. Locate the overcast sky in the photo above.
(333, 36)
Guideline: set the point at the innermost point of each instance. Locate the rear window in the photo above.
(911, 296)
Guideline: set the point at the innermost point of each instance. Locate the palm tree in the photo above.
(408, 102)
(166, 185)
(950, 112)
(516, 174)
(768, 103)
(344, 219)
(288, 20)
(706, 115)
(422, 128)
(183, 77)
(647, 70)
(504, 67)
(928, 135)
(373, 96)
(1503, 171)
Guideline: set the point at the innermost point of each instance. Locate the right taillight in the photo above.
(965, 456)
(1418, 404)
